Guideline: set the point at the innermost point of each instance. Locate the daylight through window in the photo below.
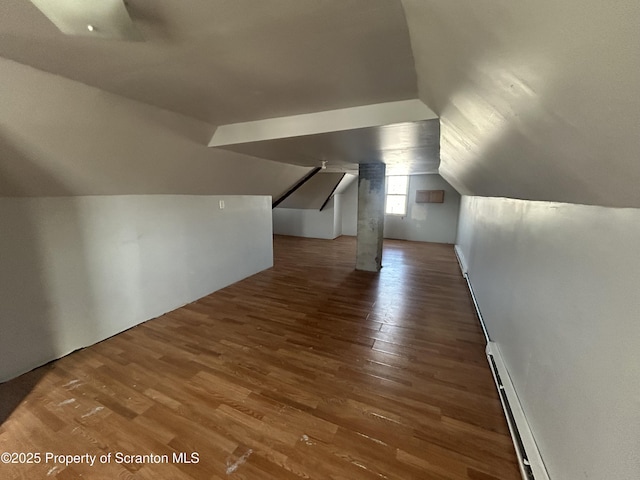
(397, 189)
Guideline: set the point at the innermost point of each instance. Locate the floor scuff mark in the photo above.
(92, 412)
(66, 402)
(72, 385)
(232, 467)
(364, 467)
(305, 439)
(52, 471)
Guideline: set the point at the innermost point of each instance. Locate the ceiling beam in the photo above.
(353, 118)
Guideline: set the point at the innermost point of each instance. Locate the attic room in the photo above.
(320, 239)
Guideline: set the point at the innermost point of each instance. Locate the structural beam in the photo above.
(332, 192)
(301, 182)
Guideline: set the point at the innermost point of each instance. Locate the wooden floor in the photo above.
(308, 370)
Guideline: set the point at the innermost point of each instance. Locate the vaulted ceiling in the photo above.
(537, 100)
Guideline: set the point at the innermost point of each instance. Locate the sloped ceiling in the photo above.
(59, 137)
(404, 135)
(117, 117)
(314, 192)
(227, 61)
(537, 100)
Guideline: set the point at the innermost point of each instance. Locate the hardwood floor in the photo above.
(308, 370)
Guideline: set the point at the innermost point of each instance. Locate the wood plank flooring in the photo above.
(308, 370)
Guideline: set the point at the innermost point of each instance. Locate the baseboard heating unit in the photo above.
(529, 459)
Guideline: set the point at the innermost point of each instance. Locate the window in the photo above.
(397, 188)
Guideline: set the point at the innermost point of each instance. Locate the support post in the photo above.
(371, 200)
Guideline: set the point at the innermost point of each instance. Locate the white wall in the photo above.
(350, 210)
(76, 270)
(426, 222)
(311, 223)
(337, 215)
(557, 285)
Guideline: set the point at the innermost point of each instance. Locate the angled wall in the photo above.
(59, 137)
(76, 269)
(300, 215)
(314, 193)
(537, 100)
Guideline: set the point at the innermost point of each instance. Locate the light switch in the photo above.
(221, 204)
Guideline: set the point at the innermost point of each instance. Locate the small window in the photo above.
(397, 189)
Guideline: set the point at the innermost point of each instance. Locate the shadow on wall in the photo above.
(30, 279)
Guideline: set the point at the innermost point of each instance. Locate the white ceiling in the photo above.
(409, 148)
(537, 100)
(107, 19)
(404, 135)
(227, 61)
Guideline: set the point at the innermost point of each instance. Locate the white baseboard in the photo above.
(531, 464)
(461, 260)
(529, 459)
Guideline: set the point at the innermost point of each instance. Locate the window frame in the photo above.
(388, 195)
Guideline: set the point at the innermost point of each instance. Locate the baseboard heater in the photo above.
(529, 459)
